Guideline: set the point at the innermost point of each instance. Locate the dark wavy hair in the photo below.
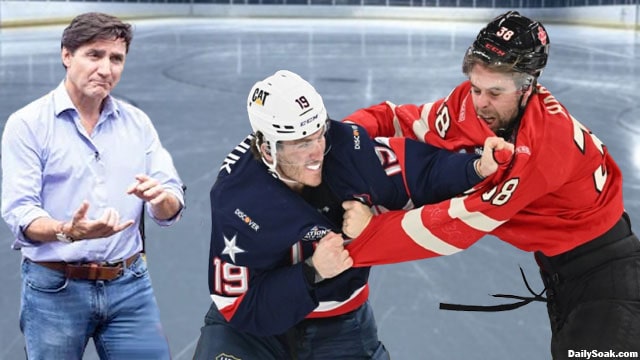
(92, 26)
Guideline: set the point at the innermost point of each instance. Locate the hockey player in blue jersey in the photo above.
(281, 281)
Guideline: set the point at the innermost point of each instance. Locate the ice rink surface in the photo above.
(192, 77)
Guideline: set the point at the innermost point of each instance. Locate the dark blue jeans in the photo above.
(58, 316)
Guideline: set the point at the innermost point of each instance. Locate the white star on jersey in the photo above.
(230, 247)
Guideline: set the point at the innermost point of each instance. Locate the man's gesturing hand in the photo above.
(148, 189)
(164, 205)
(81, 228)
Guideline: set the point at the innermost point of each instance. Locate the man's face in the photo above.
(94, 69)
(301, 160)
(495, 97)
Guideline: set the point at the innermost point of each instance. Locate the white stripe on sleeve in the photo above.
(476, 219)
(396, 123)
(421, 235)
(421, 126)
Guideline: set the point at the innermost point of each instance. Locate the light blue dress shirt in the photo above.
(50, 165)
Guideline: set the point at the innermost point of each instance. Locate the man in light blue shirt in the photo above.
(78, 168)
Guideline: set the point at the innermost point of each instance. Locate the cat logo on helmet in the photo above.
(259, 96)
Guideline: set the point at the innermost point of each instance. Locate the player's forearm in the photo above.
(433, 175)
(384, 242)
(43, 229)
(168, 208)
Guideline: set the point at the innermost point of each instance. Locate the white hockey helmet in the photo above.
(285, 107)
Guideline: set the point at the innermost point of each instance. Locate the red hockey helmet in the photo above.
(512, 39)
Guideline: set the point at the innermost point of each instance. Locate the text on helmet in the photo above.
(259, 96)
(309, 120)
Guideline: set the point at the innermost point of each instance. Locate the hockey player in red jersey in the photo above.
(560, 196)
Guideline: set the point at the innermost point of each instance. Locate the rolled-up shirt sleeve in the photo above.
(160, 167)
(21, 179)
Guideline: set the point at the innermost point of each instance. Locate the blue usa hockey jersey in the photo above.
(262, 231)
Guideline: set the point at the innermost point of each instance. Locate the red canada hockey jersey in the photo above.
(560, 189)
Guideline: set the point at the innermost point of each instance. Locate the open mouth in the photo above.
(488, 120)
(314, 167)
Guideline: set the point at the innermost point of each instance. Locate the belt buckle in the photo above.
(95, 271)
(121, 263)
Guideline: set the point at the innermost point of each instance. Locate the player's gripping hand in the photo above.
(496, 151)
(330, 257)
(356, 218)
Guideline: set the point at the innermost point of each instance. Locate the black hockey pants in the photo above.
(593, 294)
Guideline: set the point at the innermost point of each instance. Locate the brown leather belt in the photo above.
(90, 271)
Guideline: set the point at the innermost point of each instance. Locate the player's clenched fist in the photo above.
(356, 218)
(330, 258)
(496, 151)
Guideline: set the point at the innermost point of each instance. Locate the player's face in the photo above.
(495, 97)
(301, 160)
(94, 69)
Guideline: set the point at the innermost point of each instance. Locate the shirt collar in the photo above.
(62, 102)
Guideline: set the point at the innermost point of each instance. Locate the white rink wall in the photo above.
(27, 13)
